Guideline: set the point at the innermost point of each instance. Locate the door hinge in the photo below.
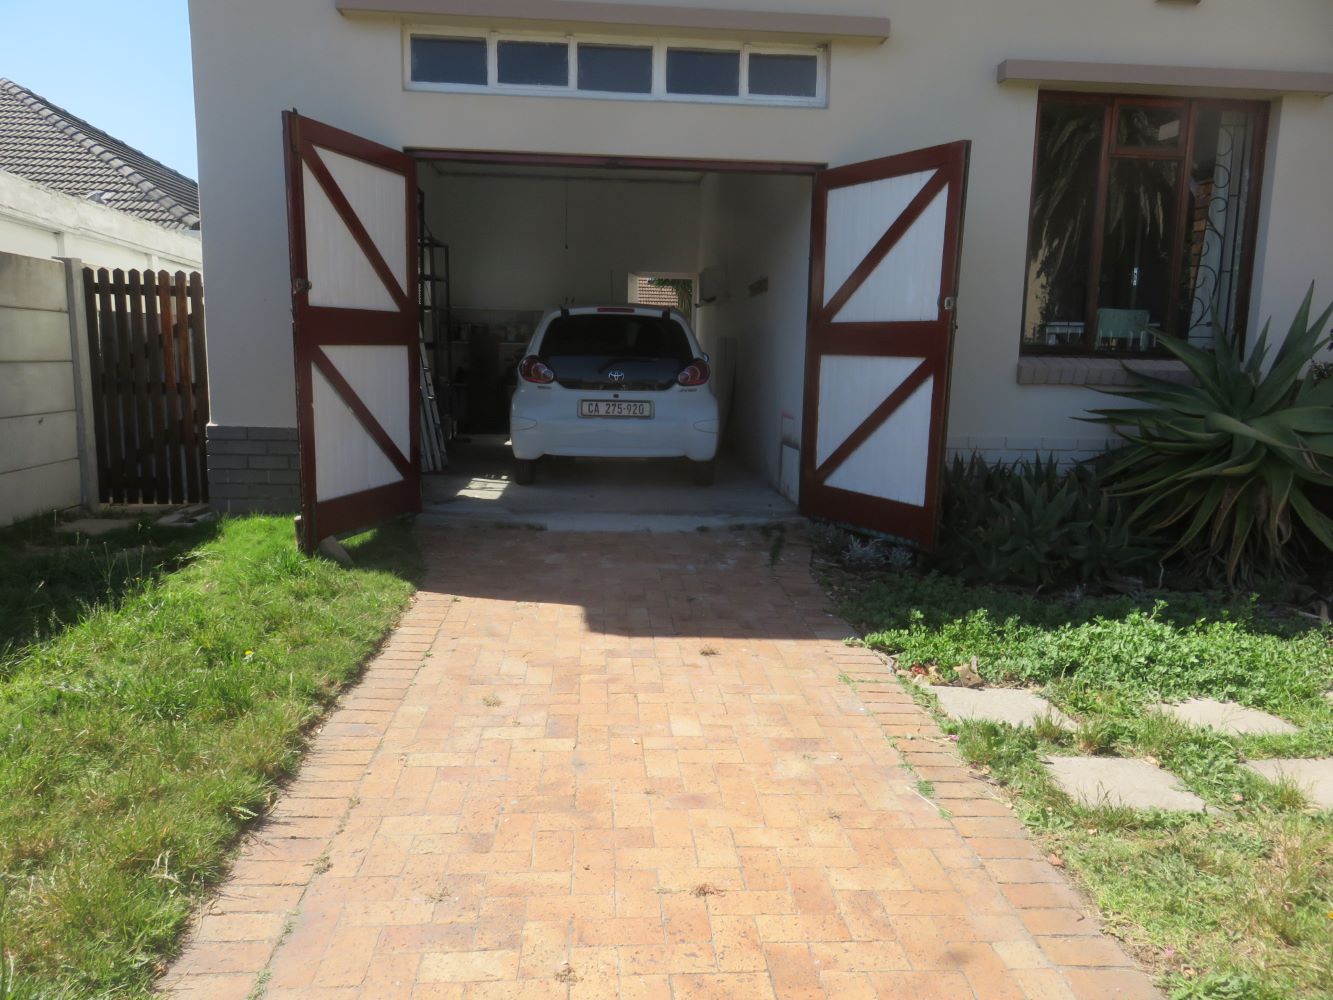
(300, 285)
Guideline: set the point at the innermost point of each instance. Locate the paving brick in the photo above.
(631, 818)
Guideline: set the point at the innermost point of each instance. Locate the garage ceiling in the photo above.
(633, 175)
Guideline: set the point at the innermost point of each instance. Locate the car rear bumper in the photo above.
(679, 428)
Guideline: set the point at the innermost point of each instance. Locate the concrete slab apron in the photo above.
(1008, 705)
(1227, 717)
(1313, 776)
(616, 766)
(1117, 781)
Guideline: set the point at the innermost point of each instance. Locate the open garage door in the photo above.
(883, 282)
(351, 208)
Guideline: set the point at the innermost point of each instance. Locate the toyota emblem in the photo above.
(616, 376)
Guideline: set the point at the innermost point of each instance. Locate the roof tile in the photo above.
(49, 146)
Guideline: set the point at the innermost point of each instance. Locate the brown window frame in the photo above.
(1183, 153)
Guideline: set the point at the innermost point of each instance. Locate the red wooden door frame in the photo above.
(931, 340)
(314, 327)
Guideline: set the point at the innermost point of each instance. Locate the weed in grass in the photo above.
(1048, 730)
(1228, 986)
(491, 701)
(925, 788)
(708, 651)
(1097, 736)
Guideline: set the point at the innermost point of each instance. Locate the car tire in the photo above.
(703, 472)
(525, 471)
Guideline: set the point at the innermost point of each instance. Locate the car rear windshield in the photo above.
(628, 336)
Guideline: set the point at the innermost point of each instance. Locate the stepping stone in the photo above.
(1117, 781)
(1313, 776)
(1227, 717)
(94, 526)
(1017, 708)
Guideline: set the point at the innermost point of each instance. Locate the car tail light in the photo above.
(696, 373)
(534, 369)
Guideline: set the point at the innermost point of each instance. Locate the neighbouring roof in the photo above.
(49, 146)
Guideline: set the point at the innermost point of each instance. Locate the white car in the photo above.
(614, 382)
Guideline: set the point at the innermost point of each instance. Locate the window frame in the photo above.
(658, 46)
(1182, 153)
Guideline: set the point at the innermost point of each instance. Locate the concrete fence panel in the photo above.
(39, 418)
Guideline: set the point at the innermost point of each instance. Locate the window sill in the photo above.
(1053, 370)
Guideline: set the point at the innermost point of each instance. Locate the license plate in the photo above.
(614, 408)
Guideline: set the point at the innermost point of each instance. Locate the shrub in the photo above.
(1029, 523)
(1230, 463)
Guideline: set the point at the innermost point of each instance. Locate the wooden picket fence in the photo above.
(150, 385)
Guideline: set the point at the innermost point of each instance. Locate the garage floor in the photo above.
(594, 495)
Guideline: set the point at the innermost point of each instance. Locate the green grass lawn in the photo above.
(1235, 904)
(156, 687)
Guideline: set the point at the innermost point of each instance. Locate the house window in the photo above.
(783, 75)
(533, 64)
(458, 61)
(616, 68)
(1142, 223)
(709, 72)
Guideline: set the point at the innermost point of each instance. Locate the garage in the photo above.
(506, 241)
(834, 405)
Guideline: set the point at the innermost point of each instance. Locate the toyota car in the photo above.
(614, 382)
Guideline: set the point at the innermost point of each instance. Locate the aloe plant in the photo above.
(1229, 462)
(1031, 523)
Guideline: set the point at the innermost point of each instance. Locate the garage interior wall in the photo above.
(754, 253)
(534, 242)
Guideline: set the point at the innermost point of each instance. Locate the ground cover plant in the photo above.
(144, 724)
(1232, 904)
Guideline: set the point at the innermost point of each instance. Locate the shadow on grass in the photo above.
(388, 548)
(51, 580)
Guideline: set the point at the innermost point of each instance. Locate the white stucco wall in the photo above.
(537, 242)
(38, 222)
(932, 82)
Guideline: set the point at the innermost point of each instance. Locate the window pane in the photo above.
(619, 69)
(1136, 275)
(703, 71)
(541, 64)
(1150, 127)
(783, 76)
(1064, 201)
(1220, 195)
(449, 60)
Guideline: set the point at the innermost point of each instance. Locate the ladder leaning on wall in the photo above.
(433, 336)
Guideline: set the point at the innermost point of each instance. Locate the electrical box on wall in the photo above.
(712, 284)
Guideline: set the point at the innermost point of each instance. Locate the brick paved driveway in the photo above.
(634, 766)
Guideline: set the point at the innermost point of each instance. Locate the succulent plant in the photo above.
(1229, 464)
